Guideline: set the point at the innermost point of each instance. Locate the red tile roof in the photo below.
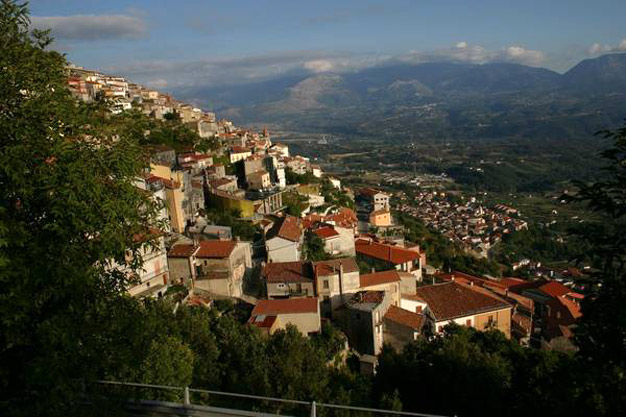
(310, 219)
(182, 251)
(221, 181)
(239, 149)
(452, 300)
(298, 271)
(326, 232)
(286, 306)
(511, 282)
(405, 317)
(368, 297)
(216, 248)
(288, 228)
(389, 253)
(554, 289)
(327, 268)
(344, 218)
(262, 321)
(378, 278)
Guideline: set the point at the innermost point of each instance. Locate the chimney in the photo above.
(341, 279)
(452, 276)
(373, 270)
(471, 283)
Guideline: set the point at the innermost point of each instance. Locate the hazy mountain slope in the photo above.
(600, 75)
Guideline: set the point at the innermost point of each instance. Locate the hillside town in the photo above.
(248, 221)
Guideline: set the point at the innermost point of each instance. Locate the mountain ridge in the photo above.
(500, 94)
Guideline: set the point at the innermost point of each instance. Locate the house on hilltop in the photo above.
(215, 266)
(272, 315)
(466, 305)
(289, 279)
(284, 240)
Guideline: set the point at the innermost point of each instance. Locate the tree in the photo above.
(472, 373)
(68, 206)
(168, 362)
(314, 249)
(601, 332)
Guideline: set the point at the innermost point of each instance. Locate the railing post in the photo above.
(187, 400)
(313, 411)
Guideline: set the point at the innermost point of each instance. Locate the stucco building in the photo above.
(272, 315)
(215, 266)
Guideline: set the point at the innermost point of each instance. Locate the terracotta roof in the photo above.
(262, 321)
(451, 300)
(368, 297)
(405, 317)
(182, 251)
(221, 181)
(344, 218)
(571, 306)
(554, 289)
(326, 268)
(286, 306)
(239, 149)
(310, 219)
(298, 271)
(378, 278)
(511, 282)
(288, 228)
(388, 253)
(216, 248)
(326, 232)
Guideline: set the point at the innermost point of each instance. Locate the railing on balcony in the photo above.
(204, 402)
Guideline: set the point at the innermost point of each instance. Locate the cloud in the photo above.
(226, 70)
(319, 65)
(522, 55)
(599, 49)
(92, 27)
(464, 52)
(238, 70)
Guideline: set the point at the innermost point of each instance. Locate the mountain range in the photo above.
(434, 100)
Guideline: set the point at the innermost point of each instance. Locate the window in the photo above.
(326, 284)
(468, 322)
(418, 309)
(440, 330)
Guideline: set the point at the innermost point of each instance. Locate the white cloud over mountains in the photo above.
(599, 49)
(92, 27)
(236, 70)
(475, 54)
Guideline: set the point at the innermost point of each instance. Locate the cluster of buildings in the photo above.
(370, 282)
(475, 227)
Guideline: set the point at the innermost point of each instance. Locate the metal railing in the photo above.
(312, 405)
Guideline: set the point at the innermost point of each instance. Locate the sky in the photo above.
(169, 44)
